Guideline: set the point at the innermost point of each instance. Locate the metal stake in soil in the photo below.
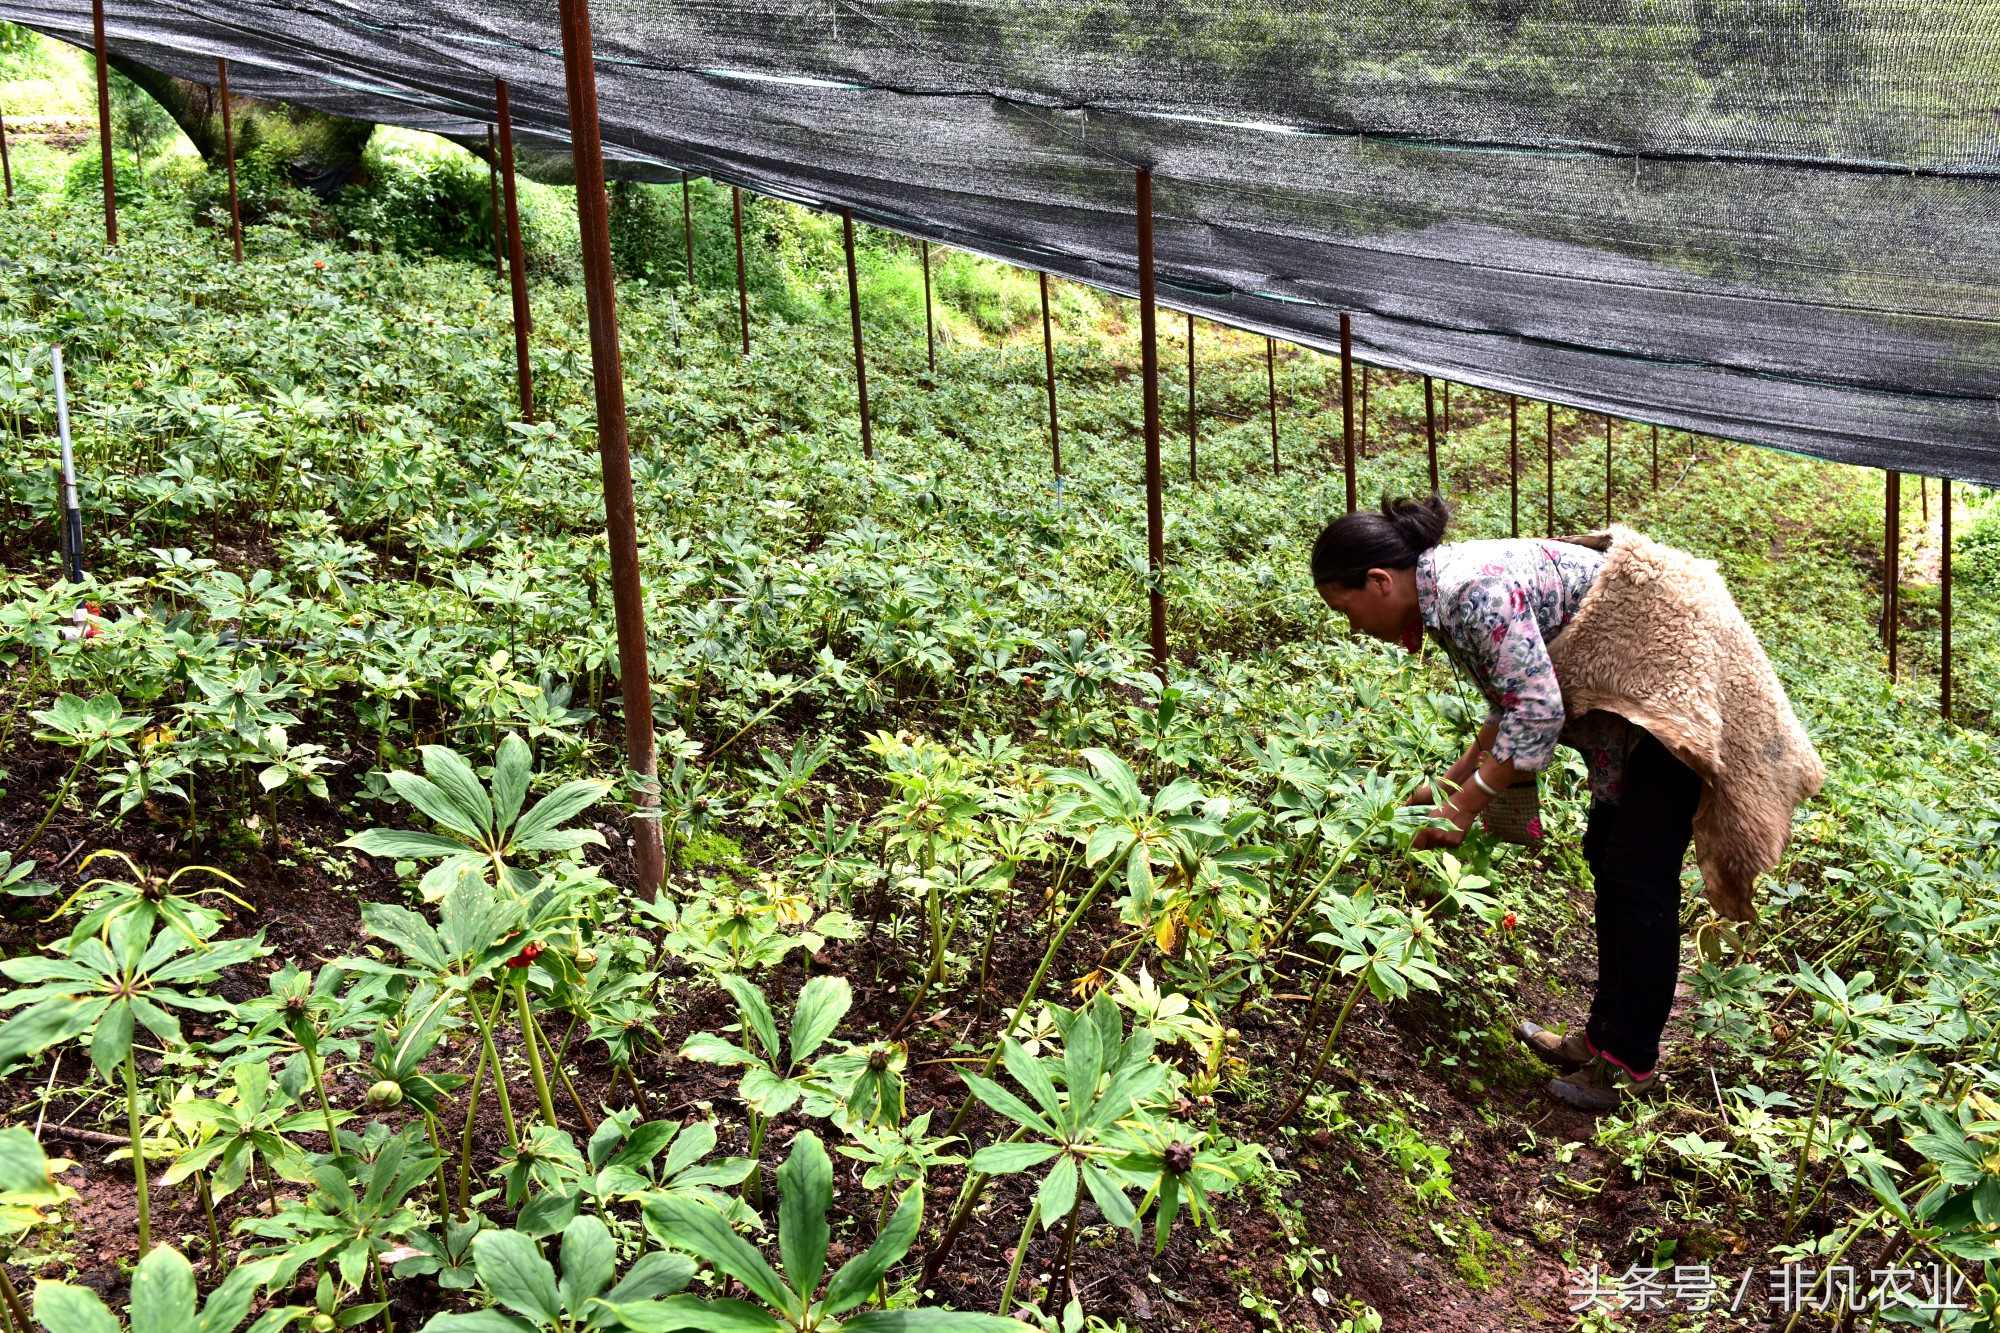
(1192, 476)
(1549, 484)
(613, 440)
(687, 226)
(1607, 471)
(104, 121)
(1364, 411)
(1149, 372)
(1944, 597)
(1892, 556)
(1431, 430)
(1271, 383)
(72, 522)
(1513, 465)
(7, 166)
(1347, 407)
(930, 330)
(228, 156)
(493, 187)
(854, 315)
(742, 277)
(1049, 372)
(517, 262)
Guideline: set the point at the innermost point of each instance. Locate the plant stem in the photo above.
(54, 805)
(1060, 1281)
(638, 1093)
(1020, 1253)
(499, 1074)
(755, 1184)
(144, 1199)
(13, 1298)
(1035, 983)
(444, 1192)
(319, 1086)
(535, 1069)
(471, 1114)
(208, 1211)
(1812, 1127)
(555, 1059)
(1305, 1088)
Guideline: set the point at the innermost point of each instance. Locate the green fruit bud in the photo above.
(323, 1323)
(384, 1095)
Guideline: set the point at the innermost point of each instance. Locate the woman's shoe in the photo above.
(1599, 1086)
(1566, 1053)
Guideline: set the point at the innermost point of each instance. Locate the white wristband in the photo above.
(1482, 784)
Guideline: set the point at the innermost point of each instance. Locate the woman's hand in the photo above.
(1427, 838)
(1421, 796)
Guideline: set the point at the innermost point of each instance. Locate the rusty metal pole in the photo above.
(1347, 408)
(1549, 435)
(687, 225)
(6, 166)
(854, 315)
(1944, 598)
(1149, 374)
(1271, 383)
(1607, 472)
(1049, 372)
(1364, 411)
(517, 259)
(742, 276)
(613, 442)
(1431, 431)
(1513, 465)
(104, 121)
(499, 220)
(930, 331)
(229, 156)
(1192, 474)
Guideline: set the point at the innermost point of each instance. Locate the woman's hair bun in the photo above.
(1421, 523)
(1355, 543)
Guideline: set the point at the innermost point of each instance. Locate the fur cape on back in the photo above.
(1659, 641)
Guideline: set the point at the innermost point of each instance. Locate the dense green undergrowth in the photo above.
(906, 708)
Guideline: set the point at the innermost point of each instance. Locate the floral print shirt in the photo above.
(1494, 606)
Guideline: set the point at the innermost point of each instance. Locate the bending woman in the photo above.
(1634, 654)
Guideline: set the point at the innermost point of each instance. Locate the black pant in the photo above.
(1634, 850)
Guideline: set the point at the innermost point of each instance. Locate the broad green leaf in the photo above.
(112, 1039)
(706, 1234)
(658, 1273)
(823, 1002)
(1110, 1200)
(767, 1094)
(557, 808)
(724, 1315)
(163, 1294)
(805, 1192)
(447, 769)
(432, 800)
(1004, 1159)
(589, 1258)
(1032, 1075)
(1007, 1104)
(514, 1273)
(511, 771)
(389, 842)
(929, 1321)
(1058, 1193)
(479, 1321)
(45, 1024)
(61, 1308)
(756, 1013)
(857, 1278)
(713, 1050)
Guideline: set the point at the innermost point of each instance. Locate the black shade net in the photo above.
(1769, 220)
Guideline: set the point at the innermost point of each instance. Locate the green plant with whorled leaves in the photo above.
(528, 1297)
(165, 1300)
(486, 831)
(792, 1301)
(108, 988)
